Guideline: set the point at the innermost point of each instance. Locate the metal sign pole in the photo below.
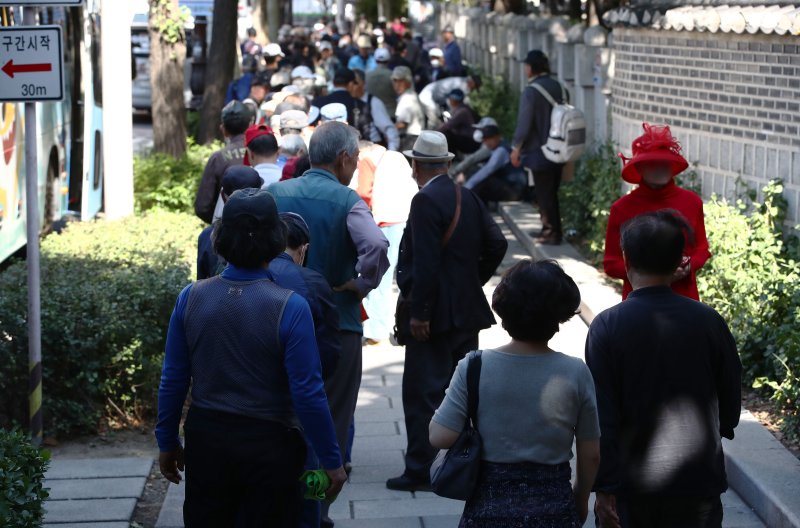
(34, 300)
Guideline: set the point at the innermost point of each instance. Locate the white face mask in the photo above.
(436, 63)
(477, 136)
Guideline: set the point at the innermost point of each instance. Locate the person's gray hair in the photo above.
(331, 139)
(293, 145)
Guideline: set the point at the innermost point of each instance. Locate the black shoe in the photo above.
(406, 483)
(548, 241)
(325, 522)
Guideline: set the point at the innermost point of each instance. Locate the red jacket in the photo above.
(642, 200)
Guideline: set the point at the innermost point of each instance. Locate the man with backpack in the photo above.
(533, 127)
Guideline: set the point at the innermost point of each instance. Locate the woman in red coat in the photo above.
(656, 161)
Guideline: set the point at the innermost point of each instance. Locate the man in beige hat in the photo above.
(363, 60)
(451, 247)
(409, 116)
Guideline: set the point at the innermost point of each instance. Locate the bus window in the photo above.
(97, 67)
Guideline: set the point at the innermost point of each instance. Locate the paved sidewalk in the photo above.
(380, 441)
(94, 493)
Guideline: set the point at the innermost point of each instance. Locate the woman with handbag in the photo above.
(532, 402)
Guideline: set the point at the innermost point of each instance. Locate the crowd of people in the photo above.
(339, 175)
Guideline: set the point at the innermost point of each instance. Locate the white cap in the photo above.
(302, 72)
(273, 50)
(485, 122)
(435, 52)
(363, 41)
(325, 45)
(382, 55)
(333, 112)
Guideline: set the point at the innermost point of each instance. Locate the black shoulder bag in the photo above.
(454, 473)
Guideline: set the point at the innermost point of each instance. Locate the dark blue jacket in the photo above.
(317, 292)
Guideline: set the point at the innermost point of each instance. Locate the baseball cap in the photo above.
(333, 112)
(236, 113)
(456, 94)
(238, 177)
(325, 45)
(382, 55)
(297, 221)
(250, 134)
(363, 41)
(302, 72)
(435, 52)
(485, 122)
(280, 78)
(448, 29)
(252, 202)
(261, 79)
(402, 73)
(536, 58)
(294, 119)
(273, 50)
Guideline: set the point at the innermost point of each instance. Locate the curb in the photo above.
(763, 472)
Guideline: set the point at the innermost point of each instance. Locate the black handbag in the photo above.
(454, 473)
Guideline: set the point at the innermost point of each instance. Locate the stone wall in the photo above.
(733, 100)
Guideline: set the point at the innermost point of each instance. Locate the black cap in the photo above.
(294, 220)
(238, 177)
(537, 60)
(261, 79)
(490, 131)
(254, 203)
(236, 114)
(456, 94)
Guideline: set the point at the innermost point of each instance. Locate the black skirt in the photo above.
(524, 495)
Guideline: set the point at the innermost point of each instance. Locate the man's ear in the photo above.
(625, 260)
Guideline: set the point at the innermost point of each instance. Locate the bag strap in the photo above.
(539, 88)
(473, 382)
(456, 217)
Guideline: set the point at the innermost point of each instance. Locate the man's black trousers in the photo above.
(547, 183)
(428, 369)
(670, 512)
(241, 472)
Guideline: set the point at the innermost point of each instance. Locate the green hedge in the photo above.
(108, 289)
(497, 99)
(751, 279)
(163, 182)
(22, 494)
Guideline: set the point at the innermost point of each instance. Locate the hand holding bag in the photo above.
(454, 473)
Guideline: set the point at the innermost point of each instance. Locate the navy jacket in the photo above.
(317, 292)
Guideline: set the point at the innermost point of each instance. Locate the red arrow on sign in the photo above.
(10, 68)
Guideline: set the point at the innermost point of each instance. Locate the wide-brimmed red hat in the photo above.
(250, 134)
(655, 145)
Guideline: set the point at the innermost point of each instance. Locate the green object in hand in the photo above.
(317, 483)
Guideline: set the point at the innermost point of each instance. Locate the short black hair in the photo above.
(343, 77)
(533, 298)
(248, 243)
(653, 242)
(263, 145)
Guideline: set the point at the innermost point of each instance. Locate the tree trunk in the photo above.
(273, 19)
(221, 61)
(166, 85)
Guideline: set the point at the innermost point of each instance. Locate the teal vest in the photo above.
(324, 203)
